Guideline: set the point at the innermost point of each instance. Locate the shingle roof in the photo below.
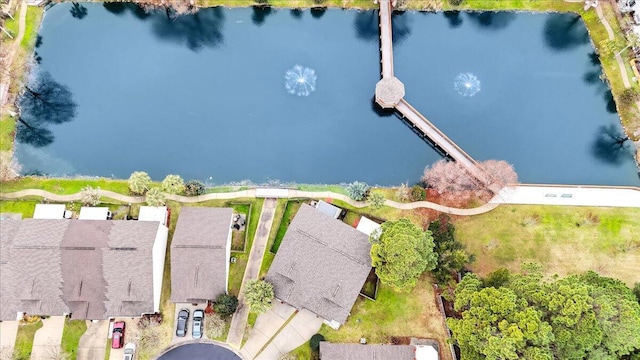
(321, 265)
(199, 254)
(329, 351)
(62, 267)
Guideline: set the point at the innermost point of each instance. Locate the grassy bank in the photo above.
(24, 340)
(71, 334)
(564, 239)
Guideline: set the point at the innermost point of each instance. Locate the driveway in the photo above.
(8, 332)
(130, 335)
(93, 341)
(47, 340)
(191, 308)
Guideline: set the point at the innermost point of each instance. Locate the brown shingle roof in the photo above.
(62, 267)
(199, 254)
(329, 351)
(321, 265)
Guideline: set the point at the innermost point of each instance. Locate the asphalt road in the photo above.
(199, 352)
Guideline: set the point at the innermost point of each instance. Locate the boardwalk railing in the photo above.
(386, 40)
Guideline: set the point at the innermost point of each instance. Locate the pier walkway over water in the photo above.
(390, 95)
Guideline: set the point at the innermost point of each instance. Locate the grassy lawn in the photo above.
(565, 240)
(26, 208)
(393, 314)
(534, 5)
(24, 340)
(34, 16)
(277, 219)
(290, 211)
(107, 353)
(7, 129)
(239, 237)
(64, 186)
(73, 330)
(236, 270)
(339, 189)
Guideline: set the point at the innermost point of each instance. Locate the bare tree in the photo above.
(90, 196)
(451, 177)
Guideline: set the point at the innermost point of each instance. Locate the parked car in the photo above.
(183, 320)
(198, 317)
(129, 351)
(117, 335)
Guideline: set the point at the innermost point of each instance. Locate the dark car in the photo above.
(183, 319)
(198, 317)
(117, 336)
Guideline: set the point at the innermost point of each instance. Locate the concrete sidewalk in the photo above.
(239, 320)
(266, 327)
(568, 196)
(8, 332)
(93, 342)
(47, 340)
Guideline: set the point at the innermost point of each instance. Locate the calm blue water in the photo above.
(204, 96)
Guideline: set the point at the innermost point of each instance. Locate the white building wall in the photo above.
(228, 252)
(159, 252)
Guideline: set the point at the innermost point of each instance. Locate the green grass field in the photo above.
(24, 340)
(290, 211)
(565, 240)
(73, 330)
(63, 185)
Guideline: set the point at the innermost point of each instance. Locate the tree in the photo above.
(357, 190)
(173, 184)
(314, 342)
(194, 188)
(376, 200)
(452, 257)
(450, 176)
(139, 182)
(402, 253)
(214, 325)
(258, 294)
(155, 197)
(225, 305)
(497, 278)
(403, 192)
(418, 193)
(455, 2)
(90, 196)
(628, 97)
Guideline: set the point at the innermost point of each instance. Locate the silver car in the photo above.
(129, 351)
(198, 318)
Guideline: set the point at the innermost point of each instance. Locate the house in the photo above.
(89, 269)
(330, 351)
(51, 211)
(200, 252)
(321, 265)
(328, 209)
(94, 213)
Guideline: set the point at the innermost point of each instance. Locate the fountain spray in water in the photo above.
(300, 81)
(467, 84)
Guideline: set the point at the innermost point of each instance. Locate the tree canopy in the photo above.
(258, 295)
(402, 253)
(579, 317)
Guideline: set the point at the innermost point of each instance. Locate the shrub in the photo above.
(403, 192)
(357, 190)
(90, 196)
(636, 290)
(497, 278)
(139, 182)
(314, 343)
(258, 295)
(456, 2)
(194, 188)
(376, 200)
(173, 184)
(155, 197)
(418, 193)
(214, 326)
(628, 97)
(225, 305)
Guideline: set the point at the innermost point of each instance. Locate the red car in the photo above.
(117, 336)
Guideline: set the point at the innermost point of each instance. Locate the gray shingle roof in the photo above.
(199, 254)
(329, 351)
(321, 265)
(69, 266)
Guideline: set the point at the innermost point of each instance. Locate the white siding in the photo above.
(159, 252)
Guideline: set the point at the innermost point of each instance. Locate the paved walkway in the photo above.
(93, 341)
(47, 340)
(266, 327)
(8, 332)
(298, 331)
(569, 196)
(241, 316)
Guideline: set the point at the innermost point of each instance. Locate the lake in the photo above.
(206, 96)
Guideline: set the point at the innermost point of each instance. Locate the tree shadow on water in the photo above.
(454, 18)
(78, 11)
(366, 25)
(491, 20)
(612, 146)
(260, 13)
(44, 102)
(202, 29)
(400, 27)
(120, 8)
(296, 13)
(564, 32)
(317, 12)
